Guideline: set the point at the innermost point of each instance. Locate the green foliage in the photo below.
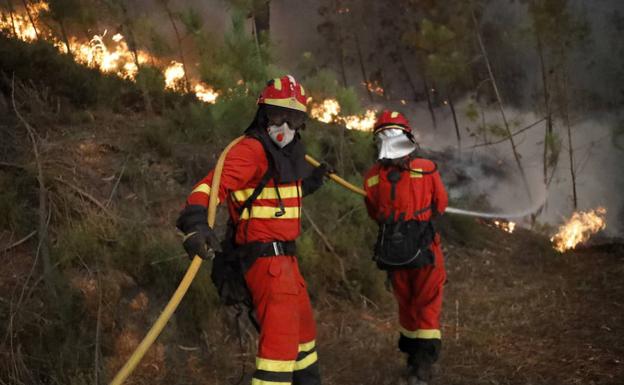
(471, 112)
(84, 87)
(16, 213)
(553, 144)
(239, 63)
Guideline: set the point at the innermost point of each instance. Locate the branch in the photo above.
(329, 246)
(86, 195)
(507, 138)
(43, 196)
(19, 242)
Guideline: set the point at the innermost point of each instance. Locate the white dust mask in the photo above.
(281, 135)
(393, 144)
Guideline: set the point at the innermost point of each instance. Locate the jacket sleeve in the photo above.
(241, 164)
(371, 198)
(440, 197)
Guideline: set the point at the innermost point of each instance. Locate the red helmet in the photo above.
(284, 92)
(391, 119)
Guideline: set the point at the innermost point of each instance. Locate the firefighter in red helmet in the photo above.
(263, 181)
(403, 193)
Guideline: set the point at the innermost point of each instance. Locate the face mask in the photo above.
(281, 135)
(393, 144)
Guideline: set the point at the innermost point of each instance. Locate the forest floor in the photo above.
(511, 316)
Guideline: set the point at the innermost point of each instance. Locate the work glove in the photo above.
(199, 238)
(316, 178)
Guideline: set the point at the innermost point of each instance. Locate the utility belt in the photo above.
(230, 265)
(249, 252)
(404, 245)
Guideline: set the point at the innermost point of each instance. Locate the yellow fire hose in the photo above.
(336, 178)
(173, 303)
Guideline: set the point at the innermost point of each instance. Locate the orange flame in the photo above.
(329, 112)
(505, 226)
(579, 228)
(108, 55)
(374, 87)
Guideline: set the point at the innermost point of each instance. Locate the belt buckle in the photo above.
(277, 248)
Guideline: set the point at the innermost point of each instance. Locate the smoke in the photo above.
(597, 163)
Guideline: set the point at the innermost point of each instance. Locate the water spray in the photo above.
(450, 210)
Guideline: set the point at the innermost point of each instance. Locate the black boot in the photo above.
(419, 369)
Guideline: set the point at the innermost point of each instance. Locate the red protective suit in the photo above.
(418, 291)
(286, 352)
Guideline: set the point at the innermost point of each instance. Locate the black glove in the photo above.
(199, 238)
(316, 178)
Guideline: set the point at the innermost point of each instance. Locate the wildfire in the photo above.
(174, 76)
(205, 93)
(18, 23)
(374, 87)
(109, 55)
(329, 111)
(505, 226)
(579, 228)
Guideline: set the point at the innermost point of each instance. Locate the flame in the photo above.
(19, 22)
(174, 76)
(326, 112)
(329, 112)
(205, 93)
(374, 87)
(505, 226)
(365, 122)
(109, 55)
(579, 228)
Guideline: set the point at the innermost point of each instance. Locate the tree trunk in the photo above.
(262, 19)
(410, 81)
(566, 118)
(171, 16)
(457, 133)
(11, 11)
(147, 100)
(362, 68)
(429, 101)
(32, 21)
(340, 48)
(501, 106)
(65, 37)
(549, 125)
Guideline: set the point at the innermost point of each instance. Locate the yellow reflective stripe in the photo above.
(373, 180)
(394, 114)
(277, 83)
(262, 212)
(426, 334)
(307, 361)
(291, 103)
(255, 381)
(307, 346)
(204, 188)
(269, 193)
(416, 173)
(274, 365)
(302, 90)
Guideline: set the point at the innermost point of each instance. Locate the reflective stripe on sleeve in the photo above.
(203, 188)
(373, 180)
(416, 173)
